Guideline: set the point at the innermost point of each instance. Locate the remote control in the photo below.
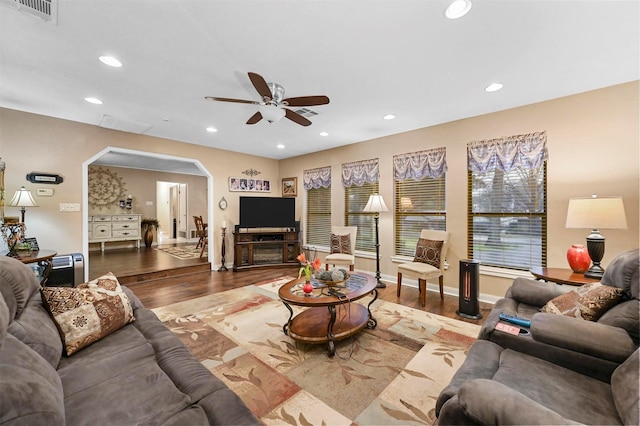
(515, 320)
(336, 293)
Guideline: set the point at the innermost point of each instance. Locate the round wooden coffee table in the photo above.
(329, 318)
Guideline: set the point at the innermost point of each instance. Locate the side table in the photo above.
(561, 276)
(42, 257)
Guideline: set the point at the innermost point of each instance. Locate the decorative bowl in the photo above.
(332, 283)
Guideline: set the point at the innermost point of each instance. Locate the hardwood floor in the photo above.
(153, 277)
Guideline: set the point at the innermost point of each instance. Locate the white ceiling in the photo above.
(370, 57)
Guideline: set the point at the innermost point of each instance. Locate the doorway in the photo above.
(127, 158)
(172, 210)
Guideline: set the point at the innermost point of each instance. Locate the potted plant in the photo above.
(149, 226)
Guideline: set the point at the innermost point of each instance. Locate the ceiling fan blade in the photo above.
(240, 101)
(295, 117)
(306, 101)
(255, 118)
(261, 85)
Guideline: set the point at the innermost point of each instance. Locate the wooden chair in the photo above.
(342, 259)
(201, 233)
(424, 271)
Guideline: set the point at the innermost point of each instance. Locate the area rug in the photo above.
(388, 375)
(184, 252)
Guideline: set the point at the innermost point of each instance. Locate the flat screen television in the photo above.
(267, 212)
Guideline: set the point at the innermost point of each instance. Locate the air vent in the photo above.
(46, 10)
(305, 112)
(115, 123)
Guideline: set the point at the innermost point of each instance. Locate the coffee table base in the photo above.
(330, 324)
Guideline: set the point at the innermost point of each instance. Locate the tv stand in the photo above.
(260, 248)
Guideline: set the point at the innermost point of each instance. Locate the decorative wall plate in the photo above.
(105, 188)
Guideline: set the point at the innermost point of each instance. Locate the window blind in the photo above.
(318, 226)
(356, 198)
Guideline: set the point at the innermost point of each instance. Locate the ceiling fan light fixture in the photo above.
(271, 113)
(458, 8)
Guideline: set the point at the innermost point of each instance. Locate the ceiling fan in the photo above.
(273, 106)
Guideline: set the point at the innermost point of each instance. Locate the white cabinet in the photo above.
(106, 228)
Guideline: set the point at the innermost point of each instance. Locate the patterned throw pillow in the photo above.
(89, 312)
(428, 251)
(341, 244)
(589, 301)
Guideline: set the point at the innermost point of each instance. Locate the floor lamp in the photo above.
(596, 213)
(376, 205)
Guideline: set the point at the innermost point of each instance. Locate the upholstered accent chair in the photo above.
(428, 262)
(343, 247)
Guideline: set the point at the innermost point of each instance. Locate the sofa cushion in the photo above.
(17, 284)
(341, 243)
(624, 272)
(624, 387)
(589, 301)
(89, 312)
(624, 315)
(428, 251)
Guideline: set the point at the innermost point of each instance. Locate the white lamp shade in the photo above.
(23, 198)
(271, 113)
(596, 213)
(375, 204)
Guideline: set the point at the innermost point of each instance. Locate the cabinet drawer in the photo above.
(101, 230)
(122, 218)
(124, 226)
(125, 233)
(245, 238)
(102, 218)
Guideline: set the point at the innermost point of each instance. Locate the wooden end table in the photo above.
(319, 323)
(42, 257)
(561, 276)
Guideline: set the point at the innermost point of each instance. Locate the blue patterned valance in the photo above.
(360, 172)
(508, 153)
(317, 178)
(421, 164)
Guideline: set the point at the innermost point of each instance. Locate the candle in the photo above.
(224, 223)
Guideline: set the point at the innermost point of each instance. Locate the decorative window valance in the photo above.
(508, 153)
(360, 172)
(420, 164)
(317, 178)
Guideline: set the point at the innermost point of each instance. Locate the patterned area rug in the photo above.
(183, 252)
(389, 375)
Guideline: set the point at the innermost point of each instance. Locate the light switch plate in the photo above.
(69, 207)
(44, 192)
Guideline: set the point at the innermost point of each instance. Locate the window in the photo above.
(507, 208)
(419, 196)
(318, 216)
(356, 198)
(419, 204)
(317, 182)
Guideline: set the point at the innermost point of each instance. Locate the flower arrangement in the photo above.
(308, 267)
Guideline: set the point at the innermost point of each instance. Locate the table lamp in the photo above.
(23, 198)
(376, 205)
(596, 213)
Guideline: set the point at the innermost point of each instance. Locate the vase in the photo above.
(148, 236)
(307, 288)
(578, 258)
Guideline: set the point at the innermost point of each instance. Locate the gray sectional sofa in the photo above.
(139, 374)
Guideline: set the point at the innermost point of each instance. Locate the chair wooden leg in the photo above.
(351, 268)
(399, 283)
(423, 291)
(202, 251)
(441, 282)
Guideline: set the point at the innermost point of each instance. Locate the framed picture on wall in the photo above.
(237, 184)
(290, 187)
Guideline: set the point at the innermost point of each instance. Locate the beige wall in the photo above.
(593, 141)
(30, 142)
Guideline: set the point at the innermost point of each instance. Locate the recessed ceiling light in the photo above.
(280, 146)
(111, 61)
(457, 9)
(389, 117)
(324, 134)
(95, 101)
(211, 129)
(493, 87)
